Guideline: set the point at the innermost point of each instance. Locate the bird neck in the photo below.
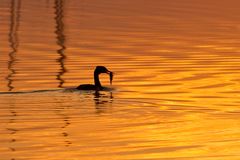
(96, 80)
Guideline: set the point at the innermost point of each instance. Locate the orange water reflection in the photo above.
(176, 70)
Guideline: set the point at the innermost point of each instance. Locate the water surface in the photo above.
(176, 81)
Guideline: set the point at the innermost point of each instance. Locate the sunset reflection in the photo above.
(175, 92)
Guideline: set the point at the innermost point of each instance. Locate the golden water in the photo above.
(177, 85)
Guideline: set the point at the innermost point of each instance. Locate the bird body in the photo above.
(97, 84)
(87, 87)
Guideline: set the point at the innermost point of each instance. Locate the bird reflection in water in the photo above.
(102, 101)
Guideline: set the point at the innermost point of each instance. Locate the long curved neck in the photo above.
(96, 80)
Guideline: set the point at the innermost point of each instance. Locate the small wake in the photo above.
(57, 90)
(34, 91)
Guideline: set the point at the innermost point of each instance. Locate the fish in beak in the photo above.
(110, 76)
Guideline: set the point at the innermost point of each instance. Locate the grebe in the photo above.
(97, 85)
